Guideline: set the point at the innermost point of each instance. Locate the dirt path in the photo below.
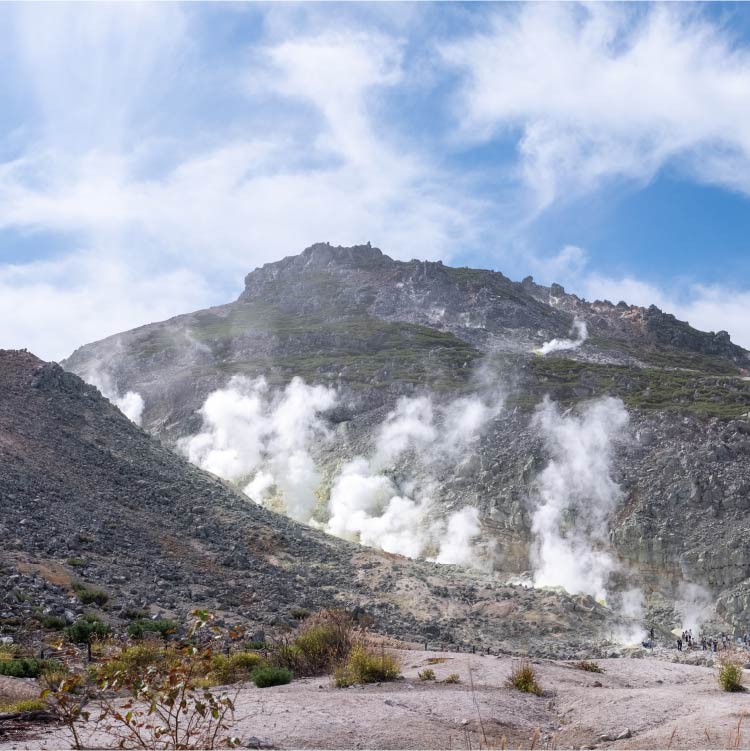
(651, 702)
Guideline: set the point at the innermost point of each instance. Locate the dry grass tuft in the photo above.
(589, 666)
(730, 674)
(523, 678)
(365, 665)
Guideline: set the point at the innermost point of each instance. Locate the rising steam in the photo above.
(575, 497)
(262, 440)
(580, 334)
(250, 432)
(130, 404)
(694, 605)
(367, 505)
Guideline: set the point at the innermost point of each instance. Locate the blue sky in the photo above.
(151, 155)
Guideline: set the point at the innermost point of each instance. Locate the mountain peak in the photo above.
(325, 254)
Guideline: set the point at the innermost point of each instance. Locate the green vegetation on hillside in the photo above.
(362, 351)
(569, 381)
(667, 358)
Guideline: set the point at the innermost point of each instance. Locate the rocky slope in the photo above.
(87, 497)
(377, 329)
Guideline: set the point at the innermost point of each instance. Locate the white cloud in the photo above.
(118, 160)
(568, 263)
(600, 92)
(217, 206)
(50, 307)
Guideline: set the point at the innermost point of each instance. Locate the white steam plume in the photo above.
(251, 434)
(461, 530)
(261, 440)
(557, 345)
(366, 505)
(576, 495)
(130, 404)
(630, 605)
(694, 605)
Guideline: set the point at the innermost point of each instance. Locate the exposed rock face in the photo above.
(87, 496)
(377, 329)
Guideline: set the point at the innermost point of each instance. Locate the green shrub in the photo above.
(263, 677)
(364, 665)
(250, 645)
(428, 674)
(730, 675)
(588, 665)
(228, 669)
(300, 613)
(90, 596)
(23, 667)
(76, 562)
(523, 678)
(452, 678)
(54, 622)
(138, 628)
(85, 629)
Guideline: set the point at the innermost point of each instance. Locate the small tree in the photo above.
(160, 703)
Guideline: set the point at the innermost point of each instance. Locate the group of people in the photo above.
(686, 641)
(707, 643)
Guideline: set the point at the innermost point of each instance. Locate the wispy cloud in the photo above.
(213, 206)
(604, 91)
(183, 145)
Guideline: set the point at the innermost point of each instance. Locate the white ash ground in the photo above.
(647, 703)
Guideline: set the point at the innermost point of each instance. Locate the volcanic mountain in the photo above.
(377, 330)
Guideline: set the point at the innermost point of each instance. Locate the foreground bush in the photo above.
(264, 677)
(321, 642)
(523, 678)
(228, 669)
(23, 667)
(730, 675)
(148, 696)
(363, 665)
(136, 659)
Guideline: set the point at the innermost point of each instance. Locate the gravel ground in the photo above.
(647, 703)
